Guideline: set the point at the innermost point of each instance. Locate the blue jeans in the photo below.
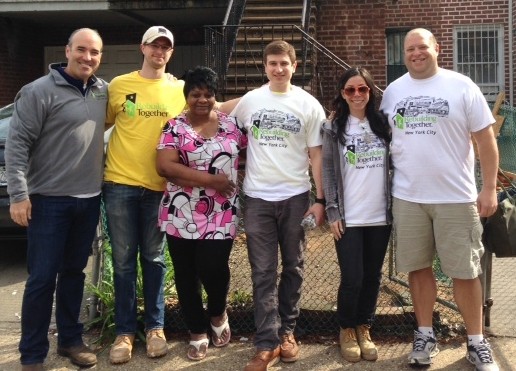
(132, 223)
(60, 235)
(360, 252)
(267, 225)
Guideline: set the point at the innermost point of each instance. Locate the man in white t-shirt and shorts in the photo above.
(433, 113)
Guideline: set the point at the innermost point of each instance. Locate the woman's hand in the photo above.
(337, 229)
(222, 184)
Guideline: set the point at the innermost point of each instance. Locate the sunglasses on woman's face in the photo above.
(350, 91)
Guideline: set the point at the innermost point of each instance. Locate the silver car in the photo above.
(8, 229)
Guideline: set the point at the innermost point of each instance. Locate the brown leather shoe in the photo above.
(289, 348)
(79, 355)
(263, 359)
(367, 347)
(33, 367)
(122, 348)
(156, 343)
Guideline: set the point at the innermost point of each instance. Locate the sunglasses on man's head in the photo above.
(351, 90)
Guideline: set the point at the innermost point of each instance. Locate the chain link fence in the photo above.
(394, 314)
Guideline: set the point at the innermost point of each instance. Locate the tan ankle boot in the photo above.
(367, 347)
(348, 345)
(121, 350)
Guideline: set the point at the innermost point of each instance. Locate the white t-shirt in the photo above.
(281, 128)
(364, 175)
(432, 121)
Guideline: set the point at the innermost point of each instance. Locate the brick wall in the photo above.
(20, 58)
(355, 30)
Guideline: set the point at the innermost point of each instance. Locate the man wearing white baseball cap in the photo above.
(156, 32)
(140, 103)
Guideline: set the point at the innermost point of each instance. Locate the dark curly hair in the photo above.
(377, 120)
(200, 77)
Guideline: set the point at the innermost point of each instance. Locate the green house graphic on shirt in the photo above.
(399, 121)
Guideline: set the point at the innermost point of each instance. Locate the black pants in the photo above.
(360, 252)
(196, 263)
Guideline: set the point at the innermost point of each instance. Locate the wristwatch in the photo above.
(321, 201)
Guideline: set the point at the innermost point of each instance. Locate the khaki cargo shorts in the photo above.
(453, 231)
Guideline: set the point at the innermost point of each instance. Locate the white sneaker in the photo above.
(423, 349)
(481, 356)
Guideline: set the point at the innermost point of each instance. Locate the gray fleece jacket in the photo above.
(332, 176)
(55, 141)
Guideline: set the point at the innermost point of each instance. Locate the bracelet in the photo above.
(321, 201)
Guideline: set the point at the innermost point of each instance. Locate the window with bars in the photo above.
(395, 63)
(478, 54)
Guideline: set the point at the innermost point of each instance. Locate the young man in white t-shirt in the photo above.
(433, 112)
(283, 123)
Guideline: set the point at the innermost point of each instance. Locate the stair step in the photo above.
(268, 38)
(273, 8)
(272, 19)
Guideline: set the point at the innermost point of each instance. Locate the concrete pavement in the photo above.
(322, 354)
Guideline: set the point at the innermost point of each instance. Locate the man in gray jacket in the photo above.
(54, 162)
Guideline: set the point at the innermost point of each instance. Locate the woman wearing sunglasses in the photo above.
(356, 185)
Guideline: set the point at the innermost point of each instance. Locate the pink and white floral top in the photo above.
(198, 212)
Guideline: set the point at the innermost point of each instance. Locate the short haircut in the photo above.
(70, 39)
(279, 47)
(422, 32)
(200, 77)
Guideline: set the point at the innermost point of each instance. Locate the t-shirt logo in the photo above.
(399, 121)
(351, 155)
(418, 115)
(129, 105)
(273, 127)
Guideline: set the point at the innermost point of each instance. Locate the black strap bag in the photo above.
(499, 235)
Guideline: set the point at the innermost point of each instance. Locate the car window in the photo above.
(4, 126)
(7, 111)
(5, 116)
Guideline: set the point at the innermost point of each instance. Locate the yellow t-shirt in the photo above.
(139, 107)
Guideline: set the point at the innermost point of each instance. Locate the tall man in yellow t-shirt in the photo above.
(140, 103)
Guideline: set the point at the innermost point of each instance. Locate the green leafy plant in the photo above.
(105, 293)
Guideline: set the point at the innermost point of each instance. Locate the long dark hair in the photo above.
(377, 120)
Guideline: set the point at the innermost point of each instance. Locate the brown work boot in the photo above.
(156, 343)
(79, 355)
(367, 347)
(263, 359)
(289, 349)
(122, 349)
(348, 345)
(33, 367)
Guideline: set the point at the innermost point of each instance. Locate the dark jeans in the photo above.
(132, 220)
(267, 224)
(199, 262)
(60, 235)
(360, 252)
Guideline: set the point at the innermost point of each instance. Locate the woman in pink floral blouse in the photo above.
(198, 155)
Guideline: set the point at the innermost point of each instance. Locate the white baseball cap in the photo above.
(155, 32)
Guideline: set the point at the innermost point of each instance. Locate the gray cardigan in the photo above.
(55, 141)
(332, 171)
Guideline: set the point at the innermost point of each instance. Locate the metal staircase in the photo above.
(235, 49)
(240, 45)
